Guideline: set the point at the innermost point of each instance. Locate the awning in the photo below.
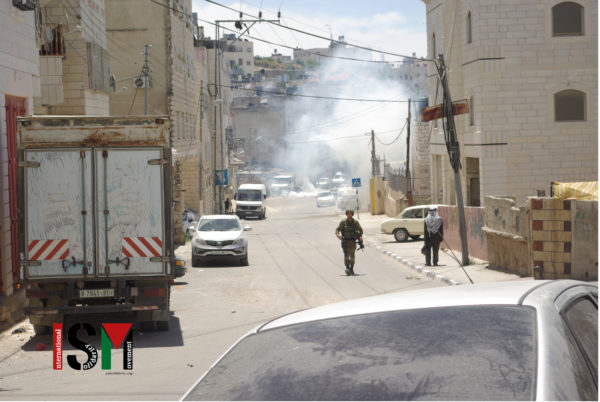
(583, 190)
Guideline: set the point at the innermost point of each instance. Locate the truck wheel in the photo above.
(400, 235)
(41, 329)
(162, 325)
(146, 326)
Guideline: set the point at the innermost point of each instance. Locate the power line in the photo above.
(395, 139)
(321, 37)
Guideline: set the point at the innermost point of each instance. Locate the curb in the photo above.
(419, 268)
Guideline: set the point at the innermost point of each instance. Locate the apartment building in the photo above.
(238, 55)
(529, 71)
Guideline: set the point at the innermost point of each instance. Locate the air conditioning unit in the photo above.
(141, 82)
(25, 5)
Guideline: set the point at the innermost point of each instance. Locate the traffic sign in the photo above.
(356, 182)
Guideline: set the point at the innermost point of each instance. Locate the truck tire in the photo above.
(41, 329)
(162, 325)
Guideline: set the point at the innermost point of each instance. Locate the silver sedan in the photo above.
(518, 340)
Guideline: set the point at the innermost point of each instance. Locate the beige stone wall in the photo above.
(262, 129)
(421, 163)
(507, 231)
(51, 80)
(520, 146)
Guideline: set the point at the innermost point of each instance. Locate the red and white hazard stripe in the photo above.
(141, 246)
(48, 250)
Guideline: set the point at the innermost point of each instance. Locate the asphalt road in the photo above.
(296, 262)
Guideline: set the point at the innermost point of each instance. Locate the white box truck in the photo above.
(95, 226)
(250, 200)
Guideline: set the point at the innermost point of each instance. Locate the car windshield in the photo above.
(218, 225)
(450, 353)
(249, 195)
(324, 194)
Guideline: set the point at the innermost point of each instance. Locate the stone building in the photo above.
(238, 55)
(411, 73)
(174, 82)
(529, 71)
(19, 84)
(74, 62)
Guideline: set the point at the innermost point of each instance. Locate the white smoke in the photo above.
(325, 135)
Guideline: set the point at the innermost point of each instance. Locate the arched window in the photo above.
(433, 53)
(469, 28)
(567, 19)
(569, 105)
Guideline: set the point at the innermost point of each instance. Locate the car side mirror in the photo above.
(247, 228)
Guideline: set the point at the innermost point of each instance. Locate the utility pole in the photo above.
(408, 180)
(453, 148)
(373, 157)
(145, 71)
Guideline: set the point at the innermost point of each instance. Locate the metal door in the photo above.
(59, 222)
(130, 212)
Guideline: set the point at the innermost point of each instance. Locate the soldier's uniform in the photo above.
(350, 230)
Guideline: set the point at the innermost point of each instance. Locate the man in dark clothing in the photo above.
(434, 234)
(227, 205)
(348, 231)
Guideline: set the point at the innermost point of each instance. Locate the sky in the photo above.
(396, 26)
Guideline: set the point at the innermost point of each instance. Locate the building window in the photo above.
(471, 112)
(469, 30)
(248, 49)
(567, 19)
(240, 62)
(248, 63)
(569, 105)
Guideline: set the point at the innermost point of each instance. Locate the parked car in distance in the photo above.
(409, 223)
(218, 237)
(179, 268)
(325, 199)
(323, 183)
(516, 340)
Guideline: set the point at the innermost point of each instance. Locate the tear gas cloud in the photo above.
(325, 135)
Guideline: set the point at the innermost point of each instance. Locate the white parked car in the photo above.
(219, 236)
(325, 199)
(338, 180)
(408, 224)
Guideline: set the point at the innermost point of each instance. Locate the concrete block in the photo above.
(542, 235)
(544, 215)
(553, 246)
(561, 257)
(560, 215)
(561, 236)
(542, 256)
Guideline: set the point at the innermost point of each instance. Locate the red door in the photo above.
(15, 106)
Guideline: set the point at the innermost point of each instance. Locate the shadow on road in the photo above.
(141, 339)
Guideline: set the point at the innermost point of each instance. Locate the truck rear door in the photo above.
(130, 211)
(59, 213)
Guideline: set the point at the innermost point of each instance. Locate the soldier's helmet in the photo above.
(350, 210)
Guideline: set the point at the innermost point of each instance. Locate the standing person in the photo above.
(227, 205)
(434, 234)
(348, 231)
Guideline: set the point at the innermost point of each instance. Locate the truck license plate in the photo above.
(96, 293)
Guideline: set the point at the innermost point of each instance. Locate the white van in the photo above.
(250, 201)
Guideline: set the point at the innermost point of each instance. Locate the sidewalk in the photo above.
(409, 254)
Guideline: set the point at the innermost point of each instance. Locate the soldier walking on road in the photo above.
(348, 231)
(434, 234)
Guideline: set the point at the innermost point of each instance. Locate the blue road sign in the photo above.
(221, 178)
(356, 182)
